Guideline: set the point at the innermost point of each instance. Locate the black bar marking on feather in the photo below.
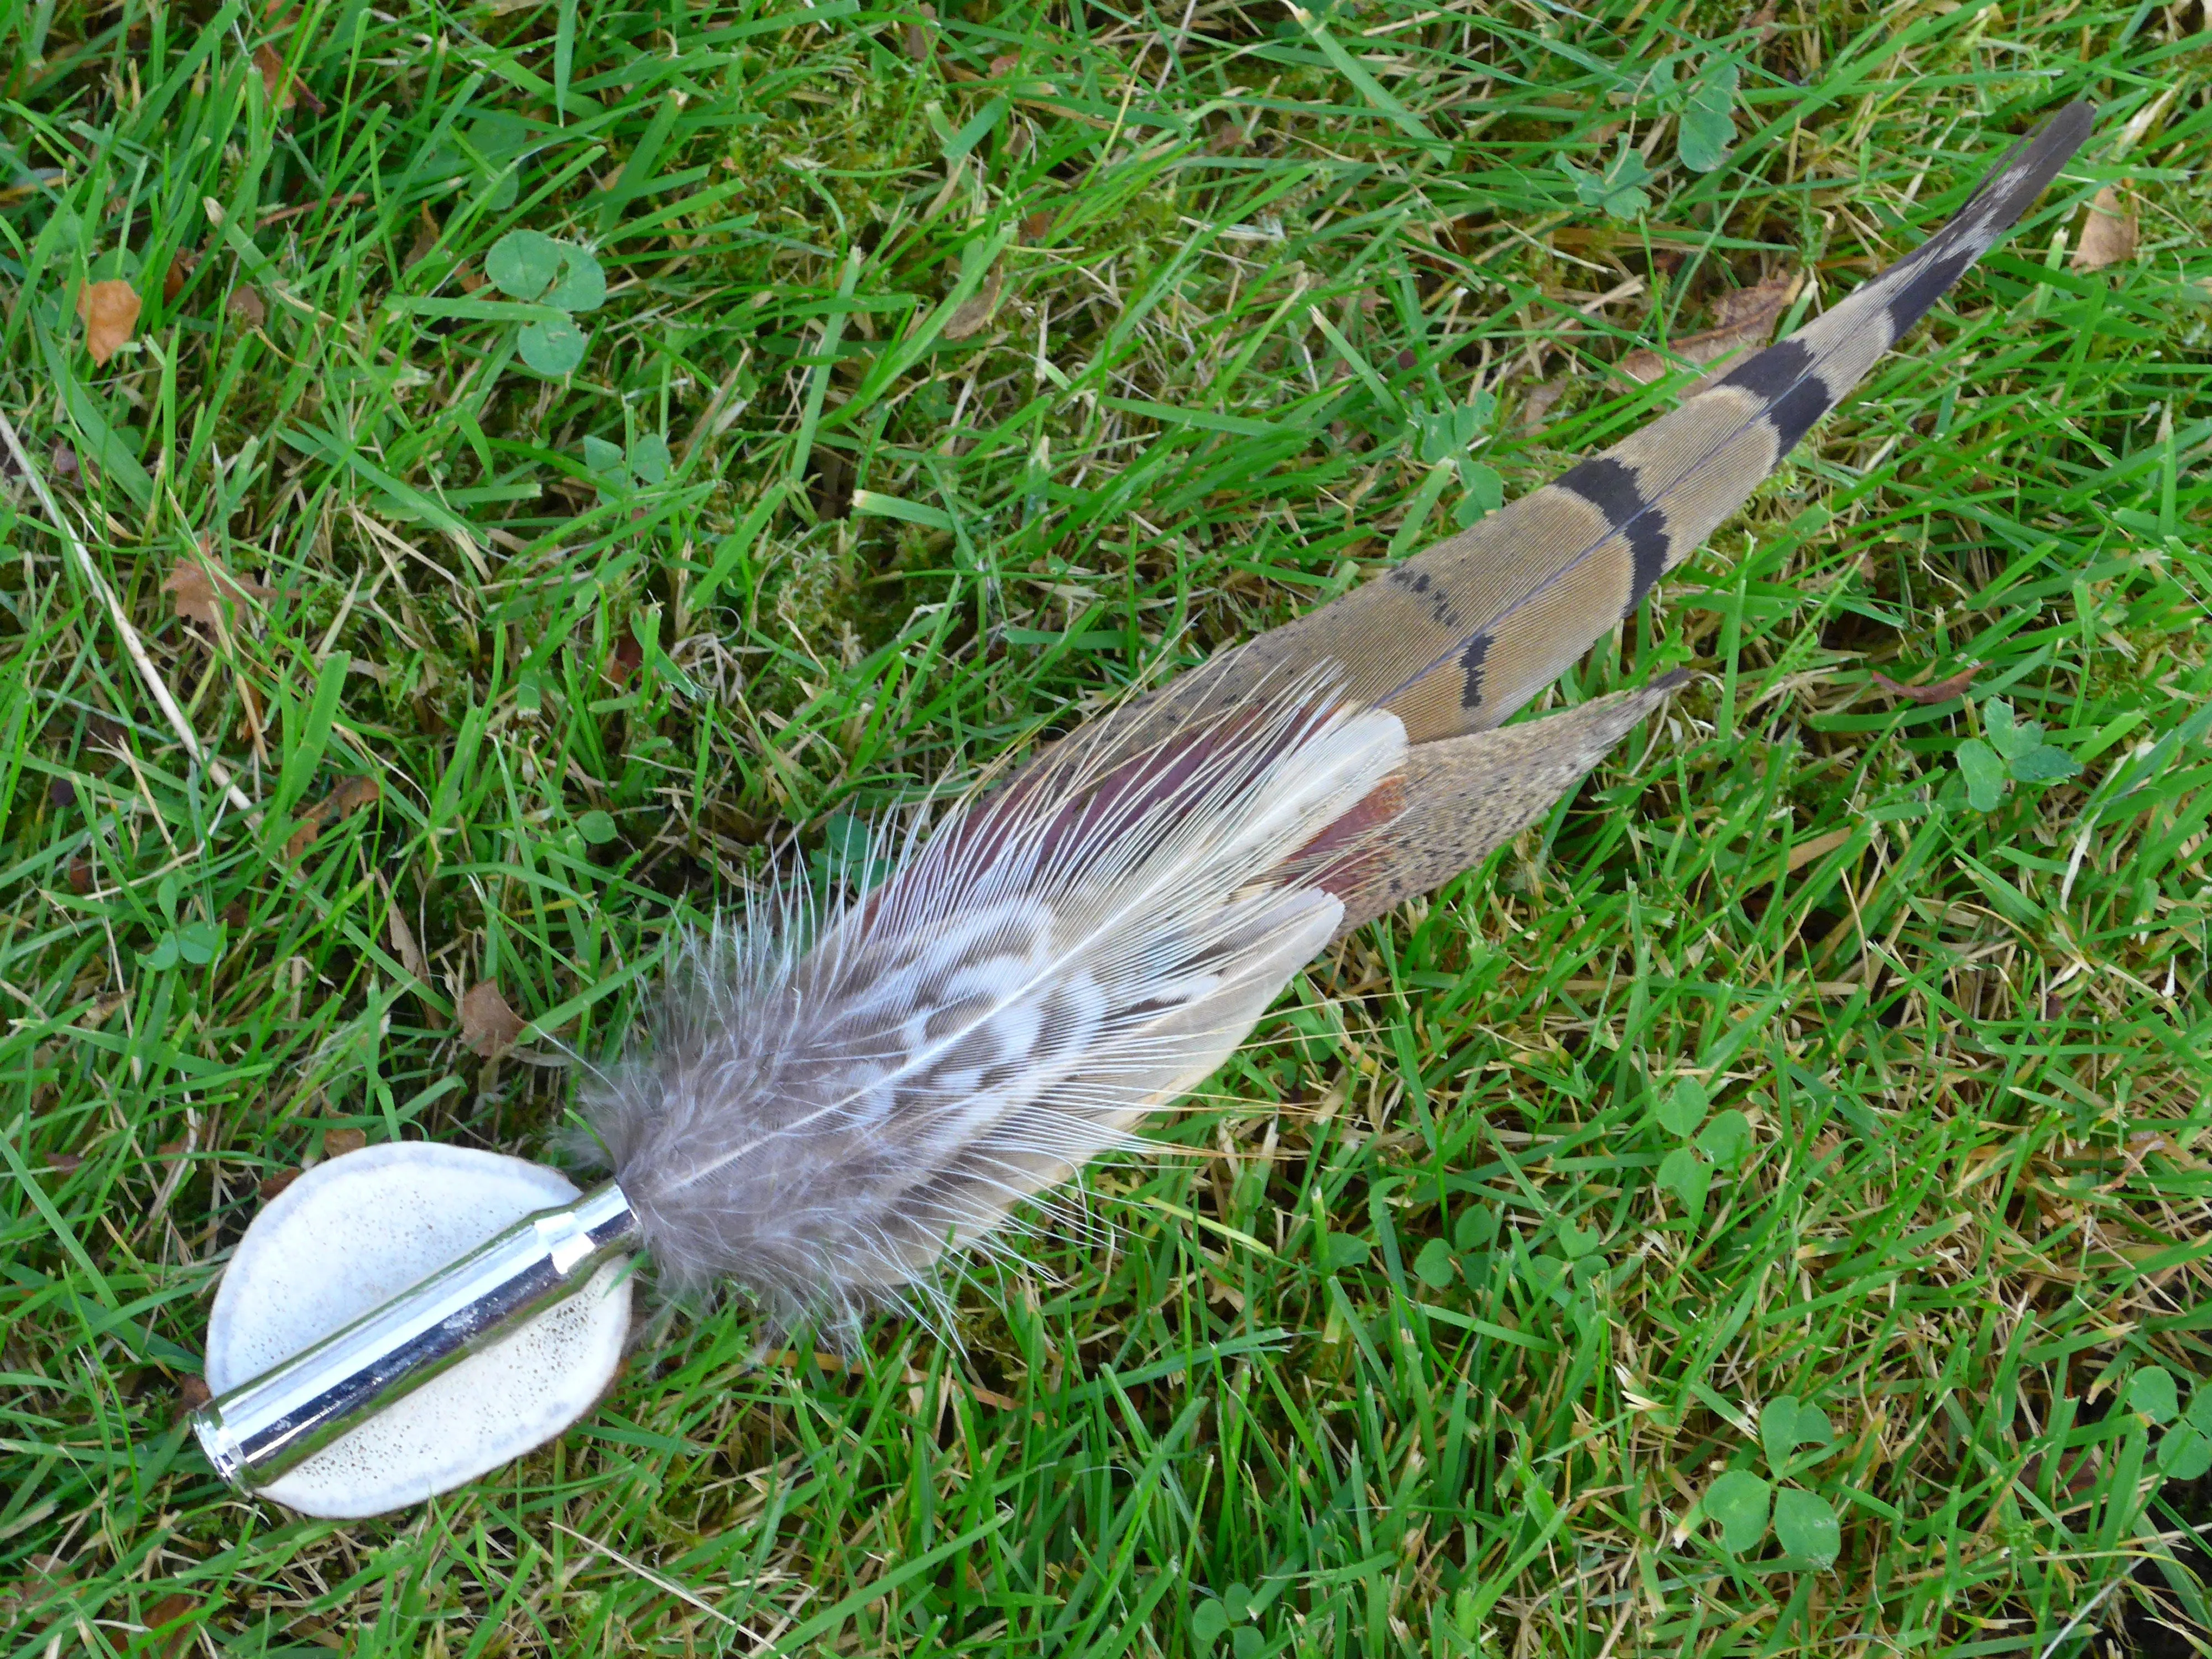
(1610, 487)
(1925, 286)
(1773, 371)
(1793, 413)
(1470, 662)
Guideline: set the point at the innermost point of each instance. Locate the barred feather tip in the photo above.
(825, 1110)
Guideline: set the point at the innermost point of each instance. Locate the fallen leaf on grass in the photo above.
(181, 266)
(425, 238)
(919, 34)
(272, 1185)
(194, 585)
(336, 1143)
(970, 316)
(403, 943)
(1537, 406)
(43, 1576)
(192, 1393)
(275, 81)
(1940, 692)
(2108, 233)
(110, 311)
(165, 1620)
(1743, 320)
(246, 306)
(488, 1025)
(627, 657)
(349, 798)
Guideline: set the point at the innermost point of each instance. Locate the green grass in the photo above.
(1414, 1351)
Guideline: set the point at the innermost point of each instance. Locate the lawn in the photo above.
(1764, 1210)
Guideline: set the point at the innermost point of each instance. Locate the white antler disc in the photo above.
(356, 1231)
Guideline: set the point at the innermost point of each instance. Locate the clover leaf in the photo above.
(1707, 125)
(1737, 1502)
(1727, 1139)
(1619, 190)
(1682, 1109)
(1786, 1423)
(532, 267)
(551, 347)
(1475, 1227)
(1806, 1526)
(2151, 1391)
(648, 461)
(1686, 1176)
(1435, 1266)
(2013, 752)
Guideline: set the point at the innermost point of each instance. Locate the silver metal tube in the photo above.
(261, 1429)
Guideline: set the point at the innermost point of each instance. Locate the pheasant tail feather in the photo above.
(821, 1121)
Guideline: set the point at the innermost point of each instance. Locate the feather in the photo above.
(819, 1121)
(831, 1103)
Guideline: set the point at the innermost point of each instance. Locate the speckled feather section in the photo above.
(830, 1104)
(817, 1121)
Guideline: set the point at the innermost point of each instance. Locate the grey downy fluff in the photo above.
(824, 1111)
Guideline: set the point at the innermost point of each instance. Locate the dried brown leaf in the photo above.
(349, 798)
(110, 311)
(1744, 320)
(192, 1393)
(336, 1143)
(42, 1576)
(1940, 692)
(181, 266)
(970, 316)
(272, 1185)
(196, 585)
(1536, 407)
(919, 34)
(165, 1620)
(274, 81)
(403, 942)
(2108, 231)
(488, 1025)
(426, 232)
(627, 657)
(1761, 304)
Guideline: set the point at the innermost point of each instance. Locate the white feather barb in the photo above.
(824, 1111)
